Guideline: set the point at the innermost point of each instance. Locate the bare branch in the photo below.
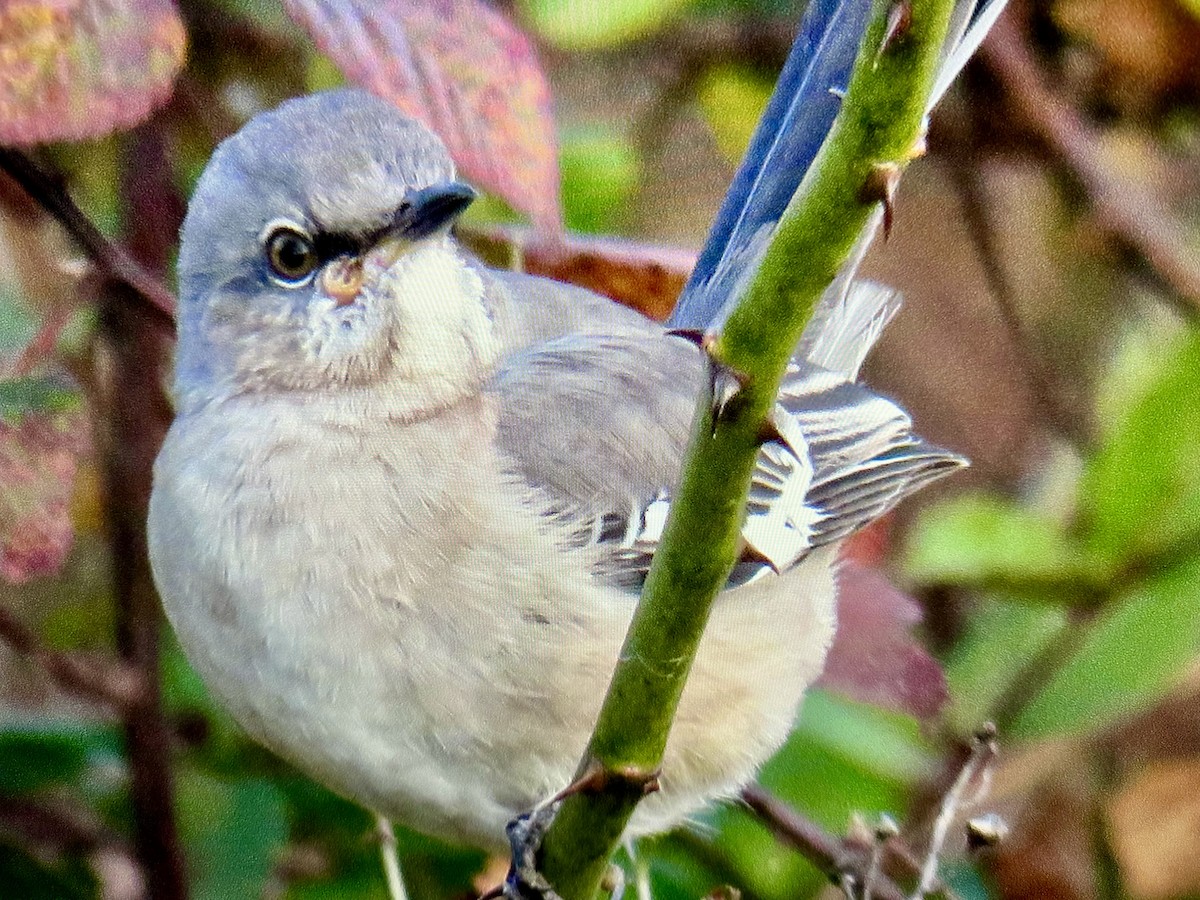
(1126, 210)
(1045, 385)
(835, 857)
(149, 291)
(970, 786)
(132, 416)
(103, 680)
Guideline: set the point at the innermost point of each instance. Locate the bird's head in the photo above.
(316, 255)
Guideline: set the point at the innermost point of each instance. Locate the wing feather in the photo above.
(596, 424)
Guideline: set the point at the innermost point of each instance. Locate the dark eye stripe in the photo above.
(332, 244)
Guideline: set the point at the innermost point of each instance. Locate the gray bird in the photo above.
(402, 518)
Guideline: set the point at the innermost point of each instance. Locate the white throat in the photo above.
(444, 344)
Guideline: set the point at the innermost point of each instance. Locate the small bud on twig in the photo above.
(985, 832)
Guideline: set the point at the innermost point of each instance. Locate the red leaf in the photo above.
(870, 546)
(74, 69)
(38, 458)
(465, 71)
(875, 657)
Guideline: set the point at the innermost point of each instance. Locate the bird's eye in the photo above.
(291, 255)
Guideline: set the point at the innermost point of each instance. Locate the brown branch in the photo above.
(831, 855)
(146, 290)
(836, 857)
(132, 415)
(48, 822)
(1126, 210)
(105, 681)
(1043, 381)
(51, 826)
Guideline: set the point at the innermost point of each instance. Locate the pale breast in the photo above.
(388, 610)
(380, 611)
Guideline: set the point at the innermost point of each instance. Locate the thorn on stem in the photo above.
(597, 778)
(697, 336)
(880, 187)
(751, 554)
(899, 20)
(781, 426)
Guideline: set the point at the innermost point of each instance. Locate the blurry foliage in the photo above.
(587, 25)
(1063, 582)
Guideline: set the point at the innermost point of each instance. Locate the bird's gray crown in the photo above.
(338, 162)
(339, 169)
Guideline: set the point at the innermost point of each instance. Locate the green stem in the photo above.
(880, 124)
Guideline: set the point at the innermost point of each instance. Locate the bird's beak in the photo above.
(424, 212)
(431, 209)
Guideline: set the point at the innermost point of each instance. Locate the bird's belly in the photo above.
(438, 685)
(454, 684)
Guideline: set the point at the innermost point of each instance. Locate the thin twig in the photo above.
(1043, 381)
(113, 259)
(387, 855)
(49, 822)
(832, 856)
(132, 419)
(106, 681)
(884, 832)
(1126, 210)
(976, 771)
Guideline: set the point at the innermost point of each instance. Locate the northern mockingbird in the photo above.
(402, 518)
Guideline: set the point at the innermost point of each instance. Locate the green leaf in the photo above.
(884, 746)
(601, 170)
(38, 753)
(732, 98)
(999, 643)
(843, 759)
(23, 876)
(232, 831)
(977, 539)
(588, 25)
(1140, 494)
(1130, 655)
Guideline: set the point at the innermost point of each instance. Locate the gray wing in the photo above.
(596, 421)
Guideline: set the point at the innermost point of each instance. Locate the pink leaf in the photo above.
(465, 71)
(875, 657)
(75, 69)
(38, 457)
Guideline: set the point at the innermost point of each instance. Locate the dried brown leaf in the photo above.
(643, 276)
(464, 70)
(1050, 853)
(75, 69)
(1155, 827)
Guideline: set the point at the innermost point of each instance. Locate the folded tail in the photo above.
(797, 120)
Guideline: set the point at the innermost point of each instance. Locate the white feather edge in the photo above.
(962, 42)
